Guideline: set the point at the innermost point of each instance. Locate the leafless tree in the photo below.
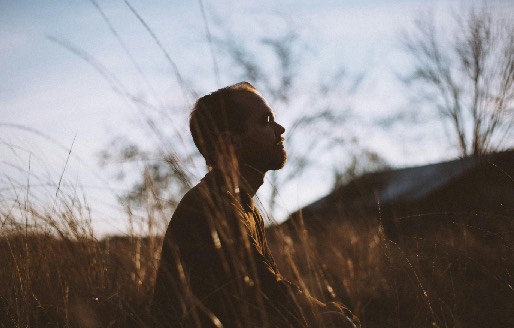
(465, 70)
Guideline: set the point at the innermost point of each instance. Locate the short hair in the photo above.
(215, 113)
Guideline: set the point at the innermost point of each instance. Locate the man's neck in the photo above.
(248, 178)
(252, 179)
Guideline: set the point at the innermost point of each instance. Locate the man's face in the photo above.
(261, 143)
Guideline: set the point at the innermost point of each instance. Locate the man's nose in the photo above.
(279, 128)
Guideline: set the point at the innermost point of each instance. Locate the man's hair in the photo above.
(215, 113)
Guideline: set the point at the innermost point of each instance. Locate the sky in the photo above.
(53, 102)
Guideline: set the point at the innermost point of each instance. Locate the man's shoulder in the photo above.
(192, 202)
(204, 202)
(198, 200)
(188, 216)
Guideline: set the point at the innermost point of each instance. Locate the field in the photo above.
(452, 273)
(438, 268)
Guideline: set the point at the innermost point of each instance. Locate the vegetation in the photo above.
(57, 272)
(451, 274)
(465, 71)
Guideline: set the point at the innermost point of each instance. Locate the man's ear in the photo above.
(232, 139)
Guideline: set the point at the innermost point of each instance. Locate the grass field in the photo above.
(453, 274)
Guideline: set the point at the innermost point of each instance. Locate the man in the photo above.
(216, 268)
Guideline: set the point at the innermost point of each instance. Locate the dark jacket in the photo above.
(216, 265)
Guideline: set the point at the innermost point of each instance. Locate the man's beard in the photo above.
(272, 160)
(280, 161)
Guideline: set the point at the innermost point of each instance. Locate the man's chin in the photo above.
(274, 163)
(279, 164)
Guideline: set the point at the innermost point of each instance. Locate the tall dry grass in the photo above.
(451, 273)
(56, 272)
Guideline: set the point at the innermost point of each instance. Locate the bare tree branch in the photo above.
(467, 75)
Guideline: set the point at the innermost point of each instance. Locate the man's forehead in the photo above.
(254, 104)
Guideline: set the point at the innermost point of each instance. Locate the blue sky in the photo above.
(47, 88)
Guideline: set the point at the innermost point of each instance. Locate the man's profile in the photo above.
(216, 267)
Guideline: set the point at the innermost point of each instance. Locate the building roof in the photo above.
(410, 185)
